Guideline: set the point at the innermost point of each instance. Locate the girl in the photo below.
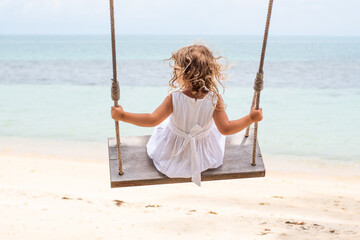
(191, 140)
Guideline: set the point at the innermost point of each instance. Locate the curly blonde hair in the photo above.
(196, 65)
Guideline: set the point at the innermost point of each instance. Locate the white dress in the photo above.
(188, 142)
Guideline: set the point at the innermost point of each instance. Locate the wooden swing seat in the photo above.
(139, 168)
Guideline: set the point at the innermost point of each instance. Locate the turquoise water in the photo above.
(58, 87)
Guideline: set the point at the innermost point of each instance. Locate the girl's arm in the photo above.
(144, 119)
(227, 127)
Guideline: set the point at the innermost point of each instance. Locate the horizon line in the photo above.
(169, 34)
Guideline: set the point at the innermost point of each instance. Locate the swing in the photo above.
(137, 169)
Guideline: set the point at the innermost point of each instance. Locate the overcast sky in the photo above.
(290, 17)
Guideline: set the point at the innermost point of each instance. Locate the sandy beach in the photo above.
(61, 190)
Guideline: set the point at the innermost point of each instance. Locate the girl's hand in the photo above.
(117, 113)
(256, 115)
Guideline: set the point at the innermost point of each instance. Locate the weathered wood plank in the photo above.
(139, 169)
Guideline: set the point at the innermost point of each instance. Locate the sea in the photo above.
(57, 87)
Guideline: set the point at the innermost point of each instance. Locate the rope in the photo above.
(257, 101)
(252, 105)
(258, 84)
(115, 89)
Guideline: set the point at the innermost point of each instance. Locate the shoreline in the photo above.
(73, 150)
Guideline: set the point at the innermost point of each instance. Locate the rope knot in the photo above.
(115, 91)
(259, 83)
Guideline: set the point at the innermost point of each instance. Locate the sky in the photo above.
(230, 17)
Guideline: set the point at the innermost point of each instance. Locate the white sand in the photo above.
(57, 190)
